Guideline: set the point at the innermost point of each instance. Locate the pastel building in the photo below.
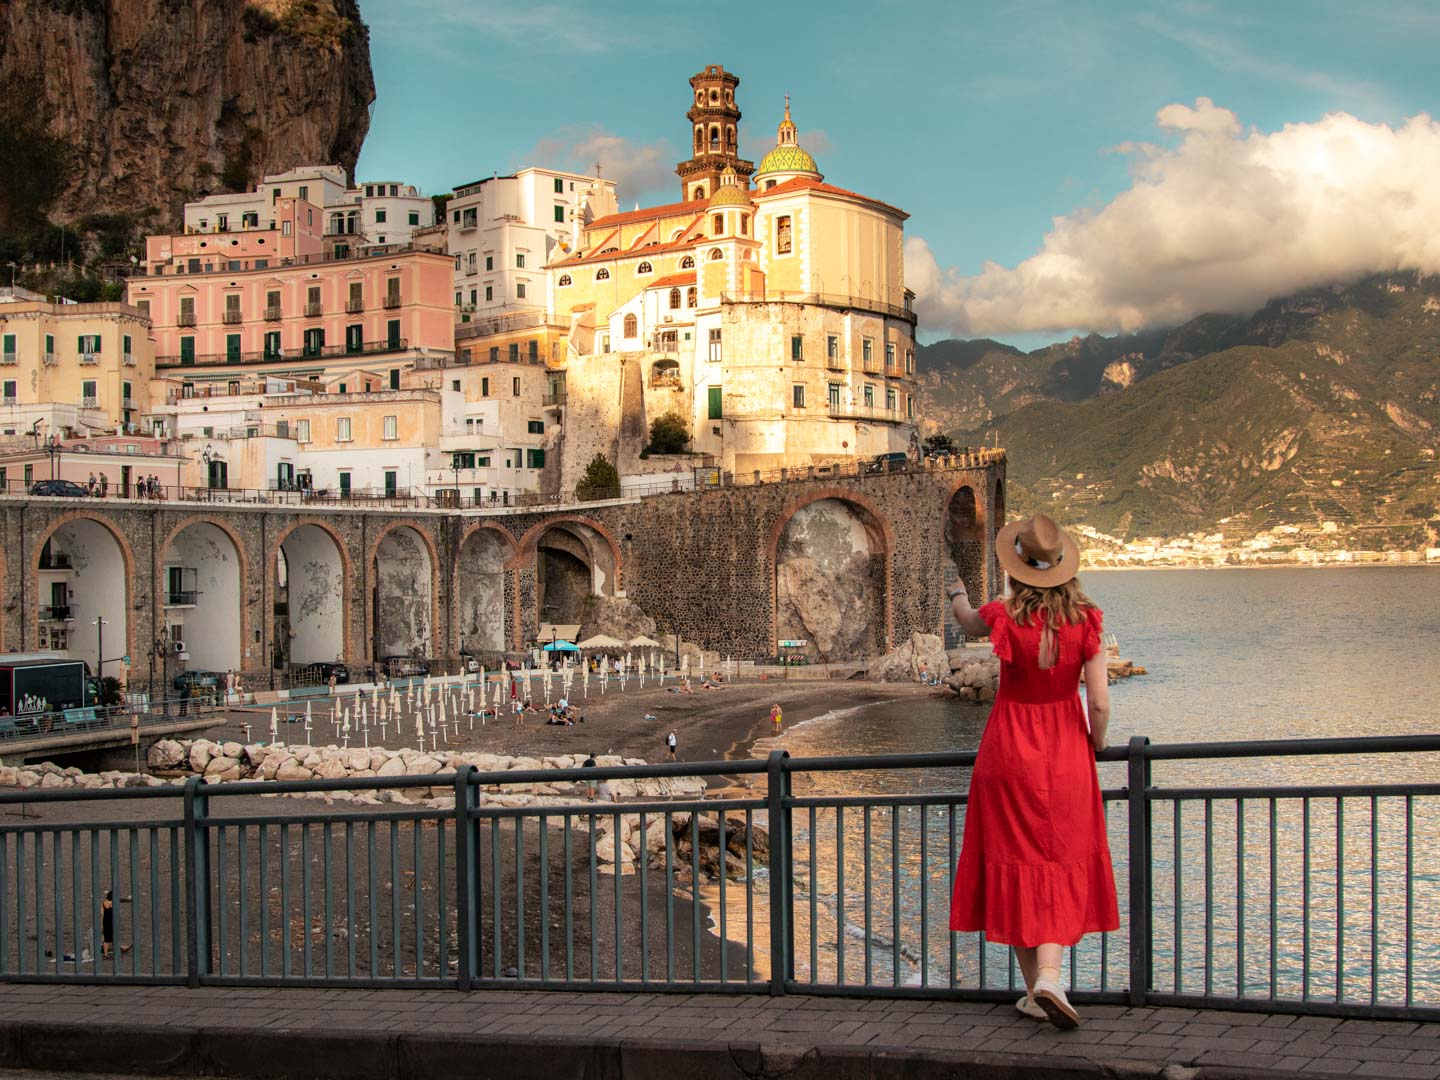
(71, 370)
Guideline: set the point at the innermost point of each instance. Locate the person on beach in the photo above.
(1034, 870)
(776, 717)
(670, 743)
(589, 763)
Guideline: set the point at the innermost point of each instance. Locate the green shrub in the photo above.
(669, 434)
(601, 480)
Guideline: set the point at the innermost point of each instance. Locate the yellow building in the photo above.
(72, 368)
(774, 319)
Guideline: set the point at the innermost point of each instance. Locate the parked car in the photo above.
(469, 663)
(65, 489)
(883, 463)
(195, 680)
(325, 668)
(405, 667)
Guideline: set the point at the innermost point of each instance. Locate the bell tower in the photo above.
(714, 135)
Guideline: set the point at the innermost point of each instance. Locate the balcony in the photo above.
(392, 301)
(9, 358)
(868, 412)
(264, 357)
(89, 359)
(185, 318)
(10, 401)
(128, 359)
(127, 404)
(91, 402)
(272, 314)
(56, 613)
(469, 222)
(49, 358)
(314, 310)
(231, 317)
(180, 597)
(553, 401)
(354, 304)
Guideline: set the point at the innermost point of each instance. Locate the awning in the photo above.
(562, 646)
(643, 642)
(602, 641)
(557, 632)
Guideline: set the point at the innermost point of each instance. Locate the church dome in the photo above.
(789, 159)
(730, 191)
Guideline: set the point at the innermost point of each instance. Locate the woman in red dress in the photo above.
(1034, 870)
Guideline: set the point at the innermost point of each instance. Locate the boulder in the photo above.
(27, 778)
(223, 763)
(904, 664)
(291, 770)
(9, 776)
(224, 776)
(332, 769)
(167, 754)
(255, 754)
(201, 751)
(52, 780)
(391, 767)
(232, 749)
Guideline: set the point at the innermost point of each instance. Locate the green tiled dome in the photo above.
(787, 159)
(730, 195)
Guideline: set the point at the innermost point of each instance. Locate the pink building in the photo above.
(300, 314)
(295, 230)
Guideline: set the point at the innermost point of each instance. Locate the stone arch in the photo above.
(964, 551)
(315, 623)
(574, 557)
(829, 560)
(403, 605)
(100, 585)
(482, 608)
(207, 595)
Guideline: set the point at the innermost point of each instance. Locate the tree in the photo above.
(669, 434)
(601, 480)
(939, 444)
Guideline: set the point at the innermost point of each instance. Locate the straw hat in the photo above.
(1037, 552)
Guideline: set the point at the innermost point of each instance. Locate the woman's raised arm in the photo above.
(968, 618)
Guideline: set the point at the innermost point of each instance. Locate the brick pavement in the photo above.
(359, 1033)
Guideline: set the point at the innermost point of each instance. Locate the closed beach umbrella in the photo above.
(274, 724)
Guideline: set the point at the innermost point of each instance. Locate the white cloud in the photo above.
(1222, 222)
(638, 169)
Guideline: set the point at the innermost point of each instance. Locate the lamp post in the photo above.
(100, 649)
(52, 447)
(207, 456)
(455, 467)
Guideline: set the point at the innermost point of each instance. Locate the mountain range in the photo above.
(1322, 406)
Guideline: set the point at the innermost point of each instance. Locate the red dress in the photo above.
(1035, 862)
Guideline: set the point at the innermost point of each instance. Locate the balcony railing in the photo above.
(551, 401)
(185, 318)
(314, 310)
(49, 358)
(90, 402)
(231, 317)
(392, 301)
(9, 358)
(56, 613)
(831, 300)
(89, 359)
(273, 314)
(368, 348)
(127, 404)
(868, 412)
(128, 359)
(181, 597)
(354, 305)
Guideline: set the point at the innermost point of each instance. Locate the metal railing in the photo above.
(835, 300)
(273, 313)
(231, 316)
(1311, 898)
(268, 356)
(95, 719)
(185, 318)
(9, 359)
(353, 305)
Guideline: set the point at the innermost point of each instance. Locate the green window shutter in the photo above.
(80, 343)
(95, 342)
(715, 403)
(126, 339)
(9, 345)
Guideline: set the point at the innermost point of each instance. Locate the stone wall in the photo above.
(707, 564)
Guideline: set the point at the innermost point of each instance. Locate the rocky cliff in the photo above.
(147, 103)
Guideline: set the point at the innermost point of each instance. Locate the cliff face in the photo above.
(159, 101)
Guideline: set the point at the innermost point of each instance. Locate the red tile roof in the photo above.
(645, 214)
(803, 183)
(685, 278)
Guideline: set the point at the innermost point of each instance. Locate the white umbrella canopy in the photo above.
(601, 641)
(643, 642)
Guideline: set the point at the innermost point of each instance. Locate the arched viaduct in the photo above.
(260, 587)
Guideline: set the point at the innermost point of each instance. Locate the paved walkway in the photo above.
(619, 1036)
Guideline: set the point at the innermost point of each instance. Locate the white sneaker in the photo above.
(1057, 1007)
(1026, 1007)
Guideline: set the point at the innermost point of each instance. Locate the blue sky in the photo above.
(984, 121)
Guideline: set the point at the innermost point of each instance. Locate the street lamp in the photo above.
(52, 446)
(207, 456)
(455, 467)
(100, 650)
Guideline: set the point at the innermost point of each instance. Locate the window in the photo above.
(514, 352)
(29, 476)
(489, 262)
(272, 304)
(515, 386)
(88, 344)
(674, 299)
(392, 483)
(354, 338)
(272, 344)
(744, 224)
(784, 243)
(314, 342)
(869, 396)
(535, 427)
(559, 213)
(690, 297)
(414, 217)
(602, 274)
(909, 361)
(631, 326)
(644, 268)
(232, 348)
(285, 228)
(344, 485)
(50, 345)
(485, 384)
(390, 428)
(534, 459)
(867, 353)
(520, 290)
(489, 293)
(834, 395)
(379, 217)
(88, 396)
(890, 398)
(187, 350)
(909, 407)
(797, 396)
(392, 292)
(687, 263)
(714, 346)
(716, 255)
(342, 429)
(7, 346)
(304, 192)
(462, 459)
(832, 349)
(11, 391)
(395, 379)
(559, 186)
(312, 300)
(302, 430)
(715, 402)
(889, 356)
(455, 385)
(717, 224)
(564, 280)
(797, 347)
(357, 296)
(534, 351)
(519, 261)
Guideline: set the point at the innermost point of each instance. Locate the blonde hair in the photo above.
(1053, 606)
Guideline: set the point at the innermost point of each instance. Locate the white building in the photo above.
(502, 231)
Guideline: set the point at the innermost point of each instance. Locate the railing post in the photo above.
(777, 794)
(1137, 785)
(197, 881)
(467, 923)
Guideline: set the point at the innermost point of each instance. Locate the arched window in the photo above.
(690, 296)
(715, 254)
(699, 191)
(744, 224)
(714, 136)
(631, 326)
(699, 137)
(730, 136)
(674, 299)
(687, 263)
(564, 280)
(644, 268)
(602, 274)
(717, 224)
(714, 97)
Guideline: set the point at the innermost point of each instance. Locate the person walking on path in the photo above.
(670, 742)
(776, 717)
(1034, 870)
